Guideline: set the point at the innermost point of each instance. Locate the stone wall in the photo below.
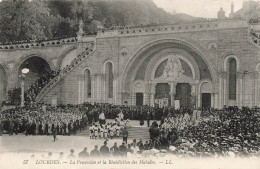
(214, 42)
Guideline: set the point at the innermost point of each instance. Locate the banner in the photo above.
(177, 104)
(165, 102)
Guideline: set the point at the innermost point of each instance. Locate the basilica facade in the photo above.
(208, 63)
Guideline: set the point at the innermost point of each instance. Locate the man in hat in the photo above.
(115, 150)
(54, 133)
(104, 150)
(95, 152)
(71, 155)
(84, 153)
(125, 134)
(123, 150)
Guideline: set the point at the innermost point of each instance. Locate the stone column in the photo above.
(222, 88)
(93, 87)
(145, 98)
(152, 93)
(193, 95)
(115, 87)
(256, 89)
(172, 92)
(81, 89)
(225, 89)
(216, 99)
(240, 76)
(212, 99)
(99, 85)
(22, 90)
(104, 95)
(252, 100)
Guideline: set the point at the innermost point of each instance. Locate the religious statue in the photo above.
(173, 69)
(81, 25)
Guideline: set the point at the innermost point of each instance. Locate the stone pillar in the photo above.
(252, 93)
(104, 88)
(225, 89)
(115, 88)
(81, 89)
(193, 96)
(145, 98)
(216, 99)
(222, 89)
(254, 90)
(240, 76)
(257, 89)
(152, 93)
(212, 99)
(199, 100)
(99, 85)
(93, 87)
(172, 92)
(22, 90)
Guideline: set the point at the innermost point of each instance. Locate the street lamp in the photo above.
(24, 72)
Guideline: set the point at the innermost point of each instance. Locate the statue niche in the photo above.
(173, 69)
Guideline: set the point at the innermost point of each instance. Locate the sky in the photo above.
(199, 8)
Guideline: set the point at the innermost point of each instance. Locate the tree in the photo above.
(23, 20)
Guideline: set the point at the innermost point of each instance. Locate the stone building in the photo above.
(204, 63)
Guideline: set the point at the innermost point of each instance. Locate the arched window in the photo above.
(87, 84)
(109, 80)
(232, 79)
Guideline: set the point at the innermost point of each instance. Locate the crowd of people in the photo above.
(156, 24)
(44, 120)
(256, 20)
(210, 133)
(205, 133)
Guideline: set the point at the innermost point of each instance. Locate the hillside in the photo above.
(45, 19)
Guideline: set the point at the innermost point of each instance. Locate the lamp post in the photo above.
(24, 71)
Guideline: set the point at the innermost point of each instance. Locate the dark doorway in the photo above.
(38, 67)
(183, 93)
(162, 91)
(139, 99)
(206, 100)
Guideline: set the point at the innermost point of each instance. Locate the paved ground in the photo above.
(45, 143)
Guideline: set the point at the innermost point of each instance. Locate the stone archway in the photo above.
(145, 58)
(38, 67)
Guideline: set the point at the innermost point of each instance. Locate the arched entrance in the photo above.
(38, 68)
(187, 68)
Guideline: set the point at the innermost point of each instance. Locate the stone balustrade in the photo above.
(42, 44)
(207, 24)
(255, 38)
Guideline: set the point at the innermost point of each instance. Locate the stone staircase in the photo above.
(254, 40)
(138, 133)
(254, 34)
(88, 51)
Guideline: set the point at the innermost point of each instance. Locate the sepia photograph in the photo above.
(126, 84)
